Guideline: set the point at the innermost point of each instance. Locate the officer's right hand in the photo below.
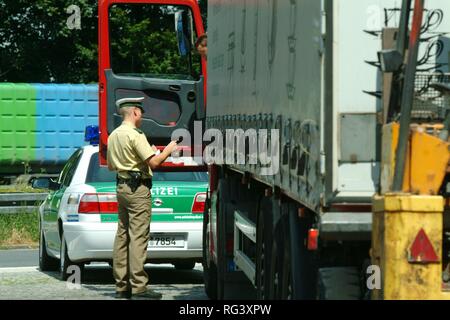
(156, 160)
(172, 146)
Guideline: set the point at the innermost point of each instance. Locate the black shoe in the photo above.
(123, 294)
(149, 294)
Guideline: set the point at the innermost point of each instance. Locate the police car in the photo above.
(78, 219)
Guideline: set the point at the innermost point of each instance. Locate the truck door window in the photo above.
(143, 42)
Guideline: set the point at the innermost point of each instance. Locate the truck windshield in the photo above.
(143, 42)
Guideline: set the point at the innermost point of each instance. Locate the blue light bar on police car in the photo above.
(92, 135)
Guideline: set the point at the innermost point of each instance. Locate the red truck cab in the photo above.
(146, 49)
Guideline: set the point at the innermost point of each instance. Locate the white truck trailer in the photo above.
(309, 69)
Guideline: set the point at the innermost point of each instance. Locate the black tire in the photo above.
(300, 265)
(276, 267)
(339, 283)
(292, 271)
(209, 268)
(210, 280)
(280, 280)
(223, 200)
(263, 250)
(221, 259)
(65, 262)
(184, 265)
(46, 263)
(286, 287)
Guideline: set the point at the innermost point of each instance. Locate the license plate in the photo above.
(167, 240)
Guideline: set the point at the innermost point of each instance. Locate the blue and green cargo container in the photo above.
(41, 125)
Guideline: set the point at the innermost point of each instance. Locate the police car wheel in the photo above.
(46, 263)
(65, 262)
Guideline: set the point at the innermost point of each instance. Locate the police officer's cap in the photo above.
(130, 102)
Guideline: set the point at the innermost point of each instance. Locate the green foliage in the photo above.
(143, 40)
(19, 229)
(37, 46)
(203, 4)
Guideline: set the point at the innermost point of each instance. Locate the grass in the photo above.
(20, 188)
(19, 229)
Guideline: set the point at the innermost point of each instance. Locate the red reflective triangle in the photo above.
(422, 250)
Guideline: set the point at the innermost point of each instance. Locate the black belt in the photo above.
(135, 183)
(122, 180)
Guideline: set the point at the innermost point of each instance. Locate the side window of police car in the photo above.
(69, 169)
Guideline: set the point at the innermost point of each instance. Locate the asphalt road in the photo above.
(20, 278)
(19, 258)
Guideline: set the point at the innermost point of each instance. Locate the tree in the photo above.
(36, 44)
(203, 4)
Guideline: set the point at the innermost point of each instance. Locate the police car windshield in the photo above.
(102, 174)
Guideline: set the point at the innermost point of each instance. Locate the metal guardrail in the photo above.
(22, 196)
(20, 202)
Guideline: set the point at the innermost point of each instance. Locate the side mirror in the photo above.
(44, 183)
(40, 183)
(183, 29)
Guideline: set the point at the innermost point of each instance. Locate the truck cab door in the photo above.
(146, 50)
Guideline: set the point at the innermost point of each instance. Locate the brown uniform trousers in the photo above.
(132, 237)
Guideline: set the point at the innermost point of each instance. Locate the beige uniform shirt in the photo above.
(128, 149)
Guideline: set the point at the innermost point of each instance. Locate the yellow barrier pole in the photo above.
(407, 246)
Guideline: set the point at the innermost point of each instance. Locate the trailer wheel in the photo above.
(276, 268)
(286, 287)
(209, 268)
(210, 279)
(221, 256)
(223, 199)
(263, 249)
(339, 283)
(281, 287)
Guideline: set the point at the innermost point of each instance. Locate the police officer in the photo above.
(132, 157)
